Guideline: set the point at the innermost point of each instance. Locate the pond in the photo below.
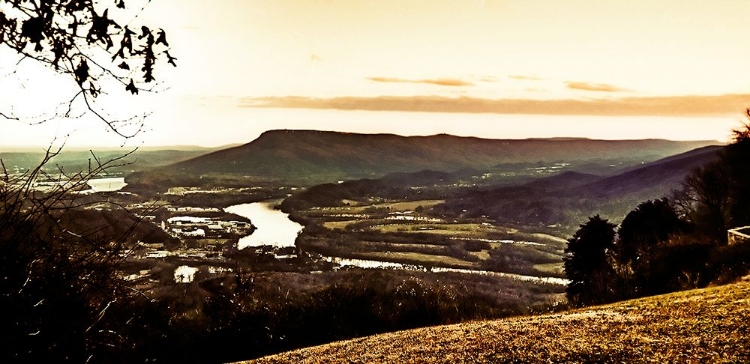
(272, 227)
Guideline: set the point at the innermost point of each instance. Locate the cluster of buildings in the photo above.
(203, 227)
(410, 216)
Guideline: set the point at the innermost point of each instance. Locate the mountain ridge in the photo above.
(321, 156)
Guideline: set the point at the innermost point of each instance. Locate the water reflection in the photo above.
(107, 184)
(365, 263)
(184, 274)
(272, 227)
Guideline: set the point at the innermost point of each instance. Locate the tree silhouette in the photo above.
(735, 158)
(83, 40)
(704, 199)
(587, 263)
(716, 197)
(59, 286)
(641, 235)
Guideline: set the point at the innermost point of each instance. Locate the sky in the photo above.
(494, 68)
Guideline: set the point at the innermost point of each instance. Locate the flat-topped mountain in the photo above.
(315, 156)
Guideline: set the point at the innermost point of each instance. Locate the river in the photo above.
(366, 263)
(272, 227)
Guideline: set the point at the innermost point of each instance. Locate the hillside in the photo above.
(318, 156)
(569, 197)
(654, 179)
(706, 325)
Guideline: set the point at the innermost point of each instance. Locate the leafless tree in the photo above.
(94, 44)
(58, 281)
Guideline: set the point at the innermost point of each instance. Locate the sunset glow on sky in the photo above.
(493, 68)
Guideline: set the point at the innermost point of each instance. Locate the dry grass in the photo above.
(701, 326)
(551, 268)
(331, 225)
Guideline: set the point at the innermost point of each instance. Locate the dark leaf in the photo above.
(82, 72)
(162, 38)
(93, 90)
(131, 87)
(75, 5)
(99, 31)
(124, 66)
(33, 29)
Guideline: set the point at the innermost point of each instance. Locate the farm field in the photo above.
(415, 233)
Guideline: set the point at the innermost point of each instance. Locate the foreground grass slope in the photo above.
(706, 325)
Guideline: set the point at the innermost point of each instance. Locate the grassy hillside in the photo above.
(317, 156)
(700, 326)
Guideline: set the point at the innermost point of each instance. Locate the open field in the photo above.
(396, 232)
(465, 230)
(409, 205)
(699, 326)
(353, 206)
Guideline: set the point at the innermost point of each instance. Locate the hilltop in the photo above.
(320, 156)
(704, 325)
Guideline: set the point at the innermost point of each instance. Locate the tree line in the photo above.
(671, 243)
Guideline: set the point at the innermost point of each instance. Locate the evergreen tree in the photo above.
(587, 263)
(642, 234)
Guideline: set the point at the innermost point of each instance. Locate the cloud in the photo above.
(627, 106)
(439, 81)
(586, 86)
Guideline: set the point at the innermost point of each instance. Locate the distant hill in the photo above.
(309, 156)
(563, 181)
(652, 180)
(701, 326)
(76, 159)
(568, 198)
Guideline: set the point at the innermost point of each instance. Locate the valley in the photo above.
(297, 227)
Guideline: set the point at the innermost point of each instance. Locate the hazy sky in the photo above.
(502, 68)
